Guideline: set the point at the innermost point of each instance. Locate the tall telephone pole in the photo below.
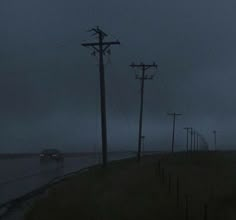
(187, 130)
(173, 134)
(143, 139)
(197, 141)
(191, 140)
(142, 78)
(194, 140)
(214, 132)
(101, 48)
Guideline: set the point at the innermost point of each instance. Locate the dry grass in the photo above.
(127, 190)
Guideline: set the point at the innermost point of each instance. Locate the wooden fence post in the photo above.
(177, 191)
(186, 208)
(169, 182)
(205, 212)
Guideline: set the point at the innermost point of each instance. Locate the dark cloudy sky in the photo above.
(49, 88)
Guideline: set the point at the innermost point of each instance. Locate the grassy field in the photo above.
(132, 191)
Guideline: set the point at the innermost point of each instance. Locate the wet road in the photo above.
(19, 176)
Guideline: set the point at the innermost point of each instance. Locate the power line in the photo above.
(142, 78)
(102, 48)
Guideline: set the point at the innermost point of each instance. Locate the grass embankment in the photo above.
(128, 190)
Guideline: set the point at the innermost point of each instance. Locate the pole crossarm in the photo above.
(174, 114)
(144, 66)
(104, 44)
(145, 77)
(97, 30)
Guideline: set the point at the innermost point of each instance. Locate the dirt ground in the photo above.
(166, 187)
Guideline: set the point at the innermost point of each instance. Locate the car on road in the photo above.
(51, 154)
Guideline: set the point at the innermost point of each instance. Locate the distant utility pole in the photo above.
(197, 141)
(101, 48)
(173, 134)
(191, 142)
(143, 138)
(194, 140)
(142, 78)
(214, 132)
(187, 130)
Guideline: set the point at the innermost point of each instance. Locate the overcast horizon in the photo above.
(49, 83)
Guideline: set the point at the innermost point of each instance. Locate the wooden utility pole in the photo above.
(191, 141)
(214, 132)
(143, 138)
(187, 131)
(173, 134)
(142, 78)
(101, 48)
(197, 141)
(194, 140)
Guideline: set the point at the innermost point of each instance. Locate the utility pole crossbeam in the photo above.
(142, 78)
(187, 130)
(101, 48)
(173, 134)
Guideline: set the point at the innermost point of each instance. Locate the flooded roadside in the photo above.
(20, 176)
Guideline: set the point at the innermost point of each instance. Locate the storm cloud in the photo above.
(49, 84)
